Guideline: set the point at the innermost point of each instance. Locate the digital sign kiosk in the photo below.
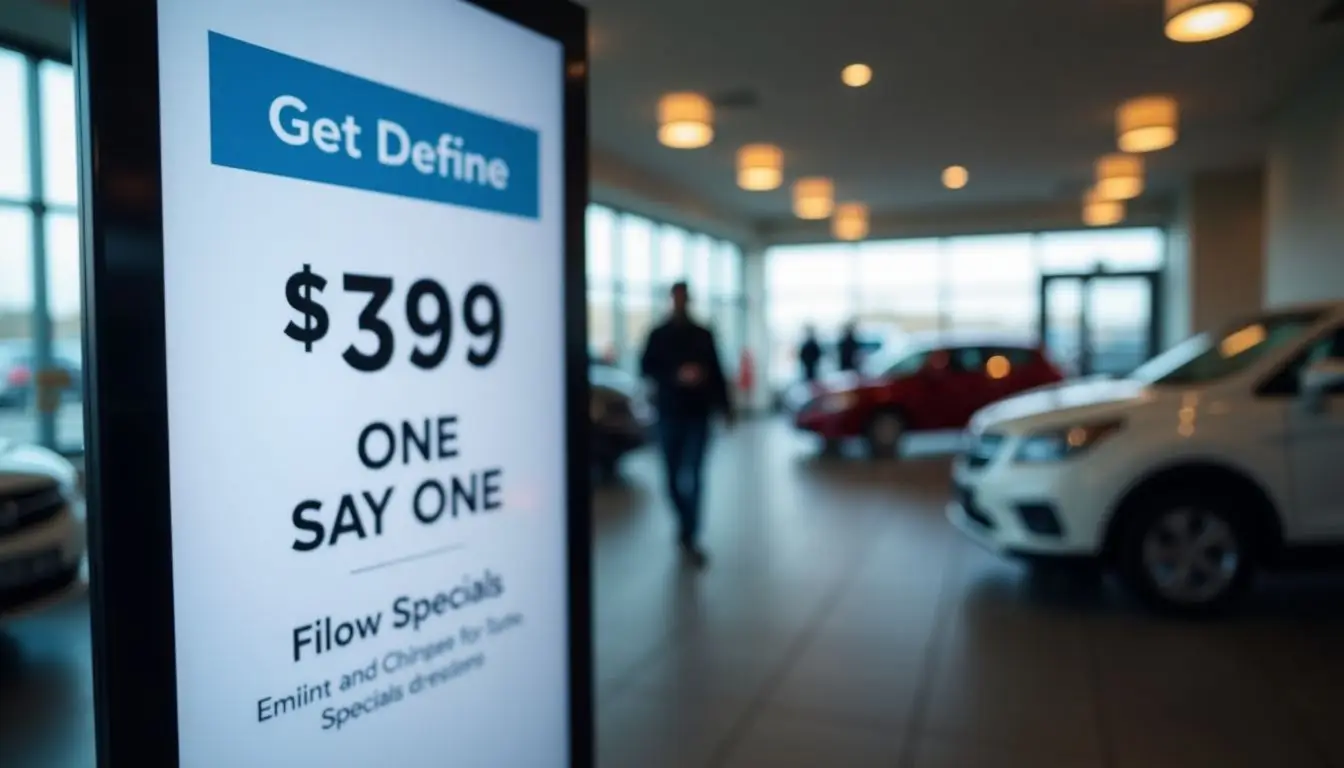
(333, 258)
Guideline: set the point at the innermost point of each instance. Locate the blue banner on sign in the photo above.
(274, 113)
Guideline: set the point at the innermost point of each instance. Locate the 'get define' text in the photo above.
(446, 155)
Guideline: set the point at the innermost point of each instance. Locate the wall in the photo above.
(1215, 253)
(1227, 236)
(1305, 198)
(33, 24)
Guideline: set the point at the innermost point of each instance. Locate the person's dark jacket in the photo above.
(848, 352)
(682, 361)
(810, 357)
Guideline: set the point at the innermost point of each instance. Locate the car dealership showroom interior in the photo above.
(1018, 441)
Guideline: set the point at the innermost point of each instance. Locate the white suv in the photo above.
(1222, 455)
(41, 530)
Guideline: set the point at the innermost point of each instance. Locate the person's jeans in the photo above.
(684, 442)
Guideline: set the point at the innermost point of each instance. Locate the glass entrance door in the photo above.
(1100, 322)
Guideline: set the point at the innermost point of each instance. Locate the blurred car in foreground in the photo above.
(622, 419)
(1216, 458)
(41, 530)
(922, 387)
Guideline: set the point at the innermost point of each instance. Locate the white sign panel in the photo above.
(363, 234)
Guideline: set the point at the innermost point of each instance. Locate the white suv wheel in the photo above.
(1191, 556)
(1187, 550)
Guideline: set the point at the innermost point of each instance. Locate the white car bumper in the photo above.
(41, 565)
(1034, 510)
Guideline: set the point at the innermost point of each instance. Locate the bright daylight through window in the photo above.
(39, 254)
(984, 285)
(633, 261)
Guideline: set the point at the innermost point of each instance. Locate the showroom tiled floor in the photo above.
(842, 624)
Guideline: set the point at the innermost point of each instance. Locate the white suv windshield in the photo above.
(1207, 358)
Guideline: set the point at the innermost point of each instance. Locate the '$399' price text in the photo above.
(429, 314)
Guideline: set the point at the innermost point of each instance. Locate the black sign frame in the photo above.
(126, 426)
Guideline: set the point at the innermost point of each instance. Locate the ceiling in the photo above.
(1022, 93)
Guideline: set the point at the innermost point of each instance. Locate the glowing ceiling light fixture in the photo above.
(850, 222)
(813, 197)
(760, 167)
(685, 121)
(1146, 124)
(1120, 177)
(1099, 211)
(857, 75)
(1198, 21)
(955, 177)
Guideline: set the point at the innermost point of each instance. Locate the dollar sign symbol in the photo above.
(299, 290)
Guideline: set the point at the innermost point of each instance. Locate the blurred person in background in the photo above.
(848, 349)
(682, 361)
(809, 355)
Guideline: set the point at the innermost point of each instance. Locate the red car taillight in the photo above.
(19, 376)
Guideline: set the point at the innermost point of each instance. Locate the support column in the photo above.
(1215, 252)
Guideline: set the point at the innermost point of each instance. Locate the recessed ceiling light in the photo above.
(1146, 124)
(857, 75)
(1101, 212)
(850, 222)
(1197, 21)
(760, 167)
(955, 177)
(1119, 177)
(685, 121)
(813, 197)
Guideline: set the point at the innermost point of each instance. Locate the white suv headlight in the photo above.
(1065, 442)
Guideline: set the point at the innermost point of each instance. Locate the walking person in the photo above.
(809, 355)
(682, 361)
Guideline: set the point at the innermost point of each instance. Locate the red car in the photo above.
(924, 388)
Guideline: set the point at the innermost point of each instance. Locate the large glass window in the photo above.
(898, 284)
(992, 287)
(601, 262)
(16, 325)
(60, 175)
(807, 286)
(729, 315)
(1112, 249)
(14, 163)
(727, 270)
(984, 287)
(804, 269)
(671, 261)
(698, 254)
(63, 306)
(632, 262)
(635, 268)
(40, 354)
(640, 242)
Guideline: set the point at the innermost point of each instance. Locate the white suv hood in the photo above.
(1061, 403)
(24, 466)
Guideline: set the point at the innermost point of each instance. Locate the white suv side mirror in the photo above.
(1320, 378)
